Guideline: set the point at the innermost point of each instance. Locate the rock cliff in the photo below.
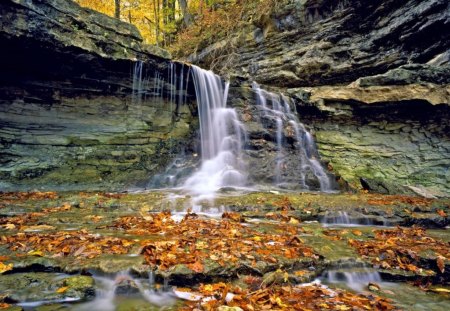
(371, 80)
(70, 115)
(324, 42)
(79, 110)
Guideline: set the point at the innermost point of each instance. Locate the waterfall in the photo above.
(341, 218)
(123, 285)
(222, 136)
(282, 116)
(356, 279)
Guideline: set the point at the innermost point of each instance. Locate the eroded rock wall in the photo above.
(70, 117)
(323, 42)
(370, 80)
(384, 147)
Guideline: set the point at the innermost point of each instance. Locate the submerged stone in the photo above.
(46, 287)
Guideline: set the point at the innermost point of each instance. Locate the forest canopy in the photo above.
(183, 26)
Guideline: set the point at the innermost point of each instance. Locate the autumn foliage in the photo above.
(195, 241)
(400, 248)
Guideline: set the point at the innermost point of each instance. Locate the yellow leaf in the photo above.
(257, 238)
(357, 232)
(300, 272)
(324, 306)
(36, 253)
(280, 303)
(62, 289)
(4, 268)
(293, 221)
(441, 290)
(10, 226)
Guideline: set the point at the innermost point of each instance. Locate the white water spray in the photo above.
(222, 137)
(357, 280)
(283, 116)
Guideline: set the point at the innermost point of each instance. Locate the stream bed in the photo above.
(127, 251)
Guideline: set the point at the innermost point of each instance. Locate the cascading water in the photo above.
(222, 137)
(357, 279)
(336, 218)
(352, 219)
(281, 115)
(355, 275)
(123, 284)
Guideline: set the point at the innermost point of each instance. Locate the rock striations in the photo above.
(68, 117)
(371, 79)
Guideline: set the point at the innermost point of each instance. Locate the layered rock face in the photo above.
(77, 111)
(323, 42)
(370, 80)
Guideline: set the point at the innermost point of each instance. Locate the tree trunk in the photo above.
(156, 11)
(117, 9)
(187, 18)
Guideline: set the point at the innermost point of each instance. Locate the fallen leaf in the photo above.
(374, 287)
(36, 253)
(294, 221)
(441, 290)
(5, 267)
(10, 226)
(62, 289)
(441, 263)
(442, 213)
(357, 232)
(196, 267)
(342, 308)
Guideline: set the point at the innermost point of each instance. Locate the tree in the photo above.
(187, 18)
(156, 11)
(117, 9)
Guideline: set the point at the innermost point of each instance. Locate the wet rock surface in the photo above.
(39, 286)
(370, 81)
(377, 138)
(71, 117)
(263, 218)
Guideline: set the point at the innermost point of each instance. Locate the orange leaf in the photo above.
(196, 267)
(357, 232)
(442, 213)
(440, 263)
(62, 289)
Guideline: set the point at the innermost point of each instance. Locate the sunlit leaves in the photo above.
(226, 242)
(401, 248)
(5, 267)
(74, 243)
(283, 297)
(62, 289)
(398, 199)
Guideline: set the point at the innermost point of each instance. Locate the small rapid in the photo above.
(112, 290)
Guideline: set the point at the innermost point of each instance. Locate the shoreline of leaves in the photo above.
(302, 297)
